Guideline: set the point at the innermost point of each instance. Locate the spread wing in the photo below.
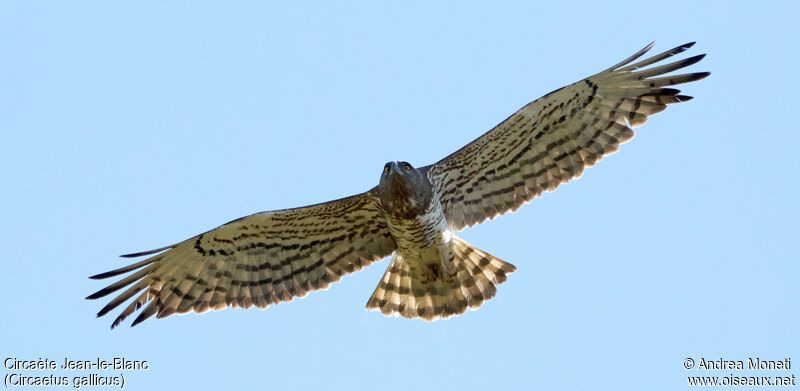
(262, 259)
(551, 140)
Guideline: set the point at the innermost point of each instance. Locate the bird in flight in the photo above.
(271, 257)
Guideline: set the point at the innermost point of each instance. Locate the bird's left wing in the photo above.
(262, 259)
(551, 140)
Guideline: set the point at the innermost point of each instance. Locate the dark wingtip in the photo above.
(684, 98)
(125, 269)
(138, 320)
(98, 294)
(105, 310)
(101, 276)
(693, 60)
(143, 253)
(702, 75)
(682, 48)
(663, 92)
(149, 311)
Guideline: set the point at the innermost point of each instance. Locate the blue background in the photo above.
(130, 126)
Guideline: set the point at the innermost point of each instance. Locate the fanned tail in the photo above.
(403, 292)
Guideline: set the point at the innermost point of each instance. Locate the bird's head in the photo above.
(404, 187)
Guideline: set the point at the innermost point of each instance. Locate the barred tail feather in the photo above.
(403, 292)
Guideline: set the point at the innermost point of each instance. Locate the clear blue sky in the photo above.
(130, 126)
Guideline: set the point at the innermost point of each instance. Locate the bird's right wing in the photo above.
(551, 140)
(262, 259)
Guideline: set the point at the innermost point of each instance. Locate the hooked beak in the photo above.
(395, 169)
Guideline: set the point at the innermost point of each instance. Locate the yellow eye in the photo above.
(386, 169)
(407, 167)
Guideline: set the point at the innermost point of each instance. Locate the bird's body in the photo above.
(423, 240)
(412, 213)
(415, 218)
(430, 275)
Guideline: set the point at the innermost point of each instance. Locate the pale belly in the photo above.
(424, 243)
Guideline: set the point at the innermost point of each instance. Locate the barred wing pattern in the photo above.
(262, 259)
(550, 141)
